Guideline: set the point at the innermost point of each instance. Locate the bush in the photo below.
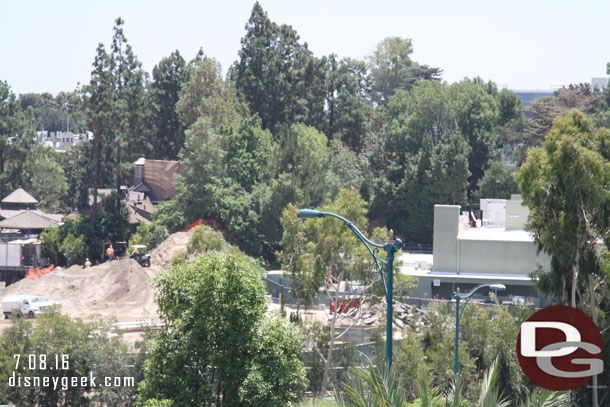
(87, 347)
(179, 258)
(217, 343)
(74, 249)
(205, 239)
(151, 235)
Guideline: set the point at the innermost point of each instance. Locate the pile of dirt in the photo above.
(161, 256)
(121, 288)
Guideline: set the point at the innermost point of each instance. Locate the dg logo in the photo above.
(560, 348)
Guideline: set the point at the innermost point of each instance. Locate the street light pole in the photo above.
(387, 277)
(458, 314)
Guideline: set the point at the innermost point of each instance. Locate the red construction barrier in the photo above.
(209, 222)
(36, 273)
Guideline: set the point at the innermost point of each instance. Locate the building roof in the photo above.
(20, 196)
(158, 176)
(10, 213)
(28, 220)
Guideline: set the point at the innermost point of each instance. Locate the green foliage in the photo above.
(206, 95)
(112, 225)
(158, 403)
(392, 69)
(170, 215)
(168, 78)
(348, 109)
(179, 259)
(150, 234)
(248, 153)
(431, 161)
(70, 243)
(278, 76)
(497, 183)
(344, 357)
(205, 239)
(303, 155)
(563, 184)
(90, 351)
(477, 117)
(313, 249)
(74, 249)
(217, 345)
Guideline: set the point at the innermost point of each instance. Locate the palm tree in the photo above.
(373, 388)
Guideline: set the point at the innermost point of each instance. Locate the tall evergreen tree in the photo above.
(11, 123)
(130, 104)
(168, 77)
(278, 76)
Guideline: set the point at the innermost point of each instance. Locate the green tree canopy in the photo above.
(217, 345)
(168, 78)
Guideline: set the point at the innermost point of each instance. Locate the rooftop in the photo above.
(20, 196)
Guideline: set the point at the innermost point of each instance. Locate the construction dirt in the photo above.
(120, 289)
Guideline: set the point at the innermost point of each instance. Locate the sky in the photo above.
(49, 46)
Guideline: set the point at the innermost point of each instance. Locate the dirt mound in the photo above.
(161, 256)
(121, 288)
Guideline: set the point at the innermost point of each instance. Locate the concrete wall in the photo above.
(516, 213)
(500, 257)
(446, 222)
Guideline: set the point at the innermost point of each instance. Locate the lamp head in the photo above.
(309, 213)
(500, 287)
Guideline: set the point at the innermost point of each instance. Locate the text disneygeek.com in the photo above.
(64, 383)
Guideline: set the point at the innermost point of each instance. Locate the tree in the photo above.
(249, 153)
(428, 160)
(391, 69)
(207, 96)
(113, 224)
(477, 117)
(564, 183)
(348, 109)
(98, 101)
(302, 155)
(326, 253)
(168, 78)
(130, 107)
(74, 249)
(48, 180)
(498, 182)
(11, 125)
(278, 77)
(89, 351)
(217, 346)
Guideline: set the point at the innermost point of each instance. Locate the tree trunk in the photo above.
(118, 176)
(594, 317)
(96, 180)
(329, 354)
(575, 268)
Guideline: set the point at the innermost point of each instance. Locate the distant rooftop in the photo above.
(20, 196)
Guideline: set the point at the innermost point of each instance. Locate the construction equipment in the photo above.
(139, 255)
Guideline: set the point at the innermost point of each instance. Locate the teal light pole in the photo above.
(458, 314)
(387, 277)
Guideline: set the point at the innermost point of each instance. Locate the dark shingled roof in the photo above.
(20, 196)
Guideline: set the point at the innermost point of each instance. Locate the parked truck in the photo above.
(29, 305)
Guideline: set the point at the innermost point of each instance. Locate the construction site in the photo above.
(121, 290)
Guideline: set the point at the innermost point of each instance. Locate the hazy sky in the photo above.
(49, 46)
